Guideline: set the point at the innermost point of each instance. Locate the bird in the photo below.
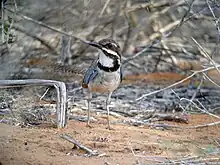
(104, 75)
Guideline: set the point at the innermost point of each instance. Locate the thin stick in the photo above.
(182, 127)
(44, 93)
(184, 109)
(178, 82)
(195, 93)
(203, 110)
(174, 25)
(47, 26)
(68, 138)
(206, 54)
(159, 159)
(213, 82)
(215, 18)
(105, 6)
(34, 36)
(169, 126)
(3, 25)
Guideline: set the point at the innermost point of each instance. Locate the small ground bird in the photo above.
(104, 75)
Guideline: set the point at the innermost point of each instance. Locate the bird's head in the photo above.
(110, 53)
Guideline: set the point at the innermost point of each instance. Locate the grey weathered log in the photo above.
(61, 94)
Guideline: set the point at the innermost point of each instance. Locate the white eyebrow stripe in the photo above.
(114, 44)
(110, 51)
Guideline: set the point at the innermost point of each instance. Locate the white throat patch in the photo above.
(104, 60)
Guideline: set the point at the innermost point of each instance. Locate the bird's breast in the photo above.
(105, 82)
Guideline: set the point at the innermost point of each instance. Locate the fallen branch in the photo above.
(190, 127)
(169, 126)
(170, 117)
(68, 138)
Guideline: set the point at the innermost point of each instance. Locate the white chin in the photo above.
(105, 61)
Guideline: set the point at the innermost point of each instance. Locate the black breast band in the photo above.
(115, 67)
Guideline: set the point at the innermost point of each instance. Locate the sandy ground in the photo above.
(43, 145)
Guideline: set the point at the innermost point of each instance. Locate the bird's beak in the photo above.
(95, 44)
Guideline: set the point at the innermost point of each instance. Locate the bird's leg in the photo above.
(108, 100)
(88, 110)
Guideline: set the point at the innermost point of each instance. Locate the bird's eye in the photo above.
(110, 46)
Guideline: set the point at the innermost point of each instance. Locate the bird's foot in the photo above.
(88, 125)
(110, 128)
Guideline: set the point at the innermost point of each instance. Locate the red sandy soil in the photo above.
(43, 145)
(166, 78)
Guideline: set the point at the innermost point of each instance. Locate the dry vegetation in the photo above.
(171, 71)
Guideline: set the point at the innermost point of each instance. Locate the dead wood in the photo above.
(169, 126)
(179, 118)
(90, 152)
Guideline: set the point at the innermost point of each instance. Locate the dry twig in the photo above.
(170, 117)
(169, 126)
(159, 159)
(206, 55)
(2, 19)
(178, 82)
(90, 152)
(47, 26)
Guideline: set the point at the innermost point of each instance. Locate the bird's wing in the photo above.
(90, 74)
(121, 74)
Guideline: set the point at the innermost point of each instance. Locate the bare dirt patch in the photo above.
(43, 145)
